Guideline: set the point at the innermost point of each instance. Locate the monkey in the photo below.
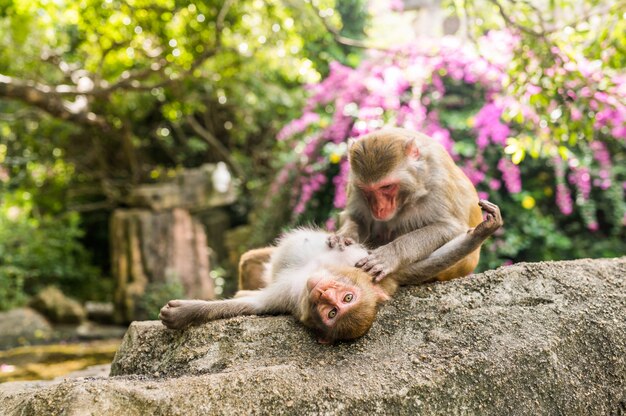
(406, 198)
(252, 268)
(321, 287)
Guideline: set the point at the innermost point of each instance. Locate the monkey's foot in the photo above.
(339, 241)
(379, 263)
(178, 314)
(492, 222)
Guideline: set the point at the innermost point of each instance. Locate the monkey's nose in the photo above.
(328, 295)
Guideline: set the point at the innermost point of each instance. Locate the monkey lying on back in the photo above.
(320, 285)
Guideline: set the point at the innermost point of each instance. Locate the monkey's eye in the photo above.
(348, 298)
(332, 313)
(386, 187)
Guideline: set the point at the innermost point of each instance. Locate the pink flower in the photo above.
(494, 184)
(298, 125)
(510, 175)
(488, 125)
(340, 181)
(564, 199)
(581, 178)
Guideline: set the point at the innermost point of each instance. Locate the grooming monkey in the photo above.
(406, 198)
(320, 285)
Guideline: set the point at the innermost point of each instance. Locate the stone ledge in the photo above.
(537, 338)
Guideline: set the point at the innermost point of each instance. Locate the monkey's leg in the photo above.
(245, 293)
(252, 268)
(464, 247)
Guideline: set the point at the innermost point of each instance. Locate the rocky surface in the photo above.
(529, 339)
(57, 307)
(23, 326)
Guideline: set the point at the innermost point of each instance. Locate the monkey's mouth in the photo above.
(384, 216)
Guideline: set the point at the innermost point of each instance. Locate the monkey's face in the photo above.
(341, 303)
(380, 163)
(382, 198)
(332, 297)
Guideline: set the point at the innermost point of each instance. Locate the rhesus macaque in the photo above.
(320, 285)
(252, 268)
(406, 198)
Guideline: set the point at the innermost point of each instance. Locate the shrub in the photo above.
(570, 187)
(35, 253)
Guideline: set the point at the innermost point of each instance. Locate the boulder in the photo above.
(57, 307)
(156, 250)
(528, 339)
(208, 186)
(23, 326)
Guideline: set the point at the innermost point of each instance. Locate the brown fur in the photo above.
(371, 161)
(358, 320)
(469, 263)
(437, 202)
(252, 268)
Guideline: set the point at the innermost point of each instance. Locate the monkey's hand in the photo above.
(380, 262)
(178, 314)
(339, 241)
(492, 222)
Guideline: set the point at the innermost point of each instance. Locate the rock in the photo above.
(22, 326)
(207, 186)
(57, 307)
(543, 338)
(93, 331)
(101, 312)
(152, 250)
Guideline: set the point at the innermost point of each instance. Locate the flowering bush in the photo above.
(464, 97)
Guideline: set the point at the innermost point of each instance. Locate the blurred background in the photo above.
(144, 145)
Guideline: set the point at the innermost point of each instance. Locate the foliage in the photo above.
(37, 252)
(99, 95)
(156, 295)
(458, 94)
(130, 78)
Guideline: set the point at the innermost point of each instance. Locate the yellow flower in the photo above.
(547, 191)
(528, 202)
(471, 121)
(334, 158)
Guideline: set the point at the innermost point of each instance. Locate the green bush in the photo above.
(36, 252)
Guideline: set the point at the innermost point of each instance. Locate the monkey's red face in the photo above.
(382, 198)
(332, 298)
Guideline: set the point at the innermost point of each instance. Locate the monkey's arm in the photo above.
(453, 251)
(409, 248)
(346, 235)
(178, 314)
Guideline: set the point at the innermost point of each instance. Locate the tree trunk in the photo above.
(149, 247)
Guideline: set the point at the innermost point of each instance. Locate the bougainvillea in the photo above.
(462, 95)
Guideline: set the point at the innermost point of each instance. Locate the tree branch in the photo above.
(216, 145)
(339, 38)
(509, 21)
(49, 99)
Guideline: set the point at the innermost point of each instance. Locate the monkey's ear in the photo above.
(380, 293)
(351, 142)
(411, 150)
